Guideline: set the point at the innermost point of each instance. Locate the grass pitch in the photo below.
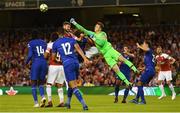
(96, 103)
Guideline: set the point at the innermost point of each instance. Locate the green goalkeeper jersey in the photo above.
(100, 39)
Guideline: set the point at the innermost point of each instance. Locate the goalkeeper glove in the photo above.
(72, 20)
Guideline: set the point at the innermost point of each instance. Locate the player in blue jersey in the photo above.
(148, 73)
(36, 51)
(126, 71)
(66, 47)
(82, 40)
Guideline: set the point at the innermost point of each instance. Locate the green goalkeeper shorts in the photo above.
(111, 57)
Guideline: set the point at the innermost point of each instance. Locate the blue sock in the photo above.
(141, 93)
(116, 90)
(137, 96)
(126, 92)
(69, 95)
(79, 96)
(34, 93)
(41, 90)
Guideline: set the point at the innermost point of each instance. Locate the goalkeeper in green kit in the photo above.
(111, 56)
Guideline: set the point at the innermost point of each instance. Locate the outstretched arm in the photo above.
(78, 49)
(143, 48)
(81, 28)
(30, 54)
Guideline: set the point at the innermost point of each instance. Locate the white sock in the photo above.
(162, 89)
(172, 88)
(61, 95)
(48, 90)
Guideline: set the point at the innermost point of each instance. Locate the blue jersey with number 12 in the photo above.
(65, 47)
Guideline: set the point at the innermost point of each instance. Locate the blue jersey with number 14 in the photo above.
(39, 64)
(65, 47)
(36, 48)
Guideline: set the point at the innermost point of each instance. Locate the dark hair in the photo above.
(35, 34)
(159, 46)
(54, 36)
(78, 33)
(100, 24)
(146, 41)
(66, 23)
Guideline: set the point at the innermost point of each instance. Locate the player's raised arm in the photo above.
(30, 54)
(143, 47)
(78, 26)
(78, 49)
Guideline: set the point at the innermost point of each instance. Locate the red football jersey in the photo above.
(52, 62)
(164, 62)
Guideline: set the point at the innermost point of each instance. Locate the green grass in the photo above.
(96, 103)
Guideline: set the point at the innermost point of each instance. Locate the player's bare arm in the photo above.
(46, 55)
(129, 54)
(144, 48)
(78, 49)
(172, 60)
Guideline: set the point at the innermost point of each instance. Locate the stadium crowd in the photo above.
(13, 52)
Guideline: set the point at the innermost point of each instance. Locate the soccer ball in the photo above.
(43, 7)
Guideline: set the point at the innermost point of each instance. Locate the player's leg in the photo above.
(115, 68)
(126, 92)
(52, 73)
(111, 58)
(68, 77)
(161, 78)
(77, 93)
(49, 95)
(59, 84)
(60, 94)
(34, 92)
(169, 79)
(116, 90)
(71, 72)
(140, 92)
(145, 78)
(128, 63)
(34, 83)
(41, 82)
(69, 96)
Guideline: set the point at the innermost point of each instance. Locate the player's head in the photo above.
(35, 34)
(66, 26)
(145, 43)
(79, 34)
(98, 27)
(126, 48)
(54, 36)
(159, 50)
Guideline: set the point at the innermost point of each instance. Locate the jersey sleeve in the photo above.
(73, 41)
(166, 56)
(104, 34)
(88, 32)
(30, 54)
(49, 47)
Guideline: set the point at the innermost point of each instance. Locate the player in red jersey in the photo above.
(55, 75)
(164, 62)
